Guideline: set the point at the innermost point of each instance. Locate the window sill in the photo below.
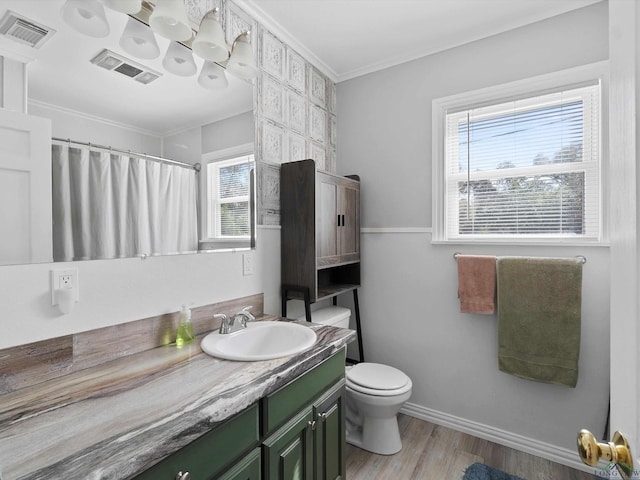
(528, 243)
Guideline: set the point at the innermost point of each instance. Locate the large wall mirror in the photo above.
(171, 116)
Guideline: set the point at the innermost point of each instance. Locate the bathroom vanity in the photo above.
(166, 412)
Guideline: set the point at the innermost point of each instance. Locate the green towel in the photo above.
(539, 302)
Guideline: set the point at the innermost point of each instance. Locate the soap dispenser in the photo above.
(185, 328)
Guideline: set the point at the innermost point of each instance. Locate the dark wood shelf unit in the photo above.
(320, 237)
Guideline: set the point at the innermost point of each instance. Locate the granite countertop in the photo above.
(116, 420)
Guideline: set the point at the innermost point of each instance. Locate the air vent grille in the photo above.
(117, 63)
(23, 30)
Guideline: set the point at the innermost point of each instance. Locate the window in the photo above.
(229, 209)
(523, 169)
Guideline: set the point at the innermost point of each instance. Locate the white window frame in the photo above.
(210, 238)
(565, 79)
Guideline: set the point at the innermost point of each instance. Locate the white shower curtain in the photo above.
(111, 205)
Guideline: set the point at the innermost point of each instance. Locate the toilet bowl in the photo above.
(375, 394)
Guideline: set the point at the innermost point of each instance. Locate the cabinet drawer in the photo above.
(209, 454)
(277, 407)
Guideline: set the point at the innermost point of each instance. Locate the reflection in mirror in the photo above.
(172, 117)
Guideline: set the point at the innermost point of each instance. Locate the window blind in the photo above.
(525, 168)
(230, 198)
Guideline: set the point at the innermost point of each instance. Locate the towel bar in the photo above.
(581, 257)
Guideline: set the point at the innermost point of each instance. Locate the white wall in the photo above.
(84, 128)
(408, 301)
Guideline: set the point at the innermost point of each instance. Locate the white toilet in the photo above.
(375, 394)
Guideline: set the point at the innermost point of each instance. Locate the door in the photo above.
(288, 453)
(25, 189)
(624, 94)
(349, 224)
(329, 413)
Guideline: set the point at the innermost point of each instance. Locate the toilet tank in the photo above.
(333, 315)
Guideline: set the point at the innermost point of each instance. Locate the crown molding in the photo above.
(252, 7)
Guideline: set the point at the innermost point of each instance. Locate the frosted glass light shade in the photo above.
(212, 76)
(242, 63)
(209, 42)
(86, 16)
(138, 40)
(124, 6)
(169, 19)
(179, 60)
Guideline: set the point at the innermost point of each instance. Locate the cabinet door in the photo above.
(248, 468)
(288, 453)
(327, 219)
(329, 412)
(349, 224)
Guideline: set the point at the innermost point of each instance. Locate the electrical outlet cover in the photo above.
(66, 279)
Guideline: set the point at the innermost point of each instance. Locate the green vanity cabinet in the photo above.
(294, 433)
(209, 455)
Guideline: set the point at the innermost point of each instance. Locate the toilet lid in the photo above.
(375, 376)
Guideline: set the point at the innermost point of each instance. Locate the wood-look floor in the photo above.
(432, 452)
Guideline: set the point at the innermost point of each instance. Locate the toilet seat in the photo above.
(377, 379)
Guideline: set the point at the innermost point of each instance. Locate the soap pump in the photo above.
(185, 328)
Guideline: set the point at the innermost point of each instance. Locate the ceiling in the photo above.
(349, 38)
(343, 38)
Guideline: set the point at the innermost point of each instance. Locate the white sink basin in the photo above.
(260, 341)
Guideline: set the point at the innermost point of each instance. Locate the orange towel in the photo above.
(477, 283)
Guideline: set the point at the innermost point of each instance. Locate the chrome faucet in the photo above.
(235, 323)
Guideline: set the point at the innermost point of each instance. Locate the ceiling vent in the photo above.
(23, 30)
(117, 63)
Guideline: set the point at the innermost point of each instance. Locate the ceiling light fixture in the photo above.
(179, 60)
(124, 6)
(86, 16)
(209, 42)
(212, 76)
(138, 40)
(242, 62)
(169, 19)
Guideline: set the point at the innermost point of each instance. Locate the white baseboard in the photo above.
(553, 453)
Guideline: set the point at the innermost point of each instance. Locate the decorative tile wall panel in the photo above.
(268, 194)
(196, 9)
(272, 143)
(317, 88)
(319, 154)
(297, 147)
(333, 130)
(294, 108)
(272, 99)
(238, 22)
(272, 55)
(332, 103)
(297, 112)
(318, 124)
(296, 71)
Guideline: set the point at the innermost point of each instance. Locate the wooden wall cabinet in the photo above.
(320, 230)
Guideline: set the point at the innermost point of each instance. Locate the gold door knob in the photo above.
(616, 451)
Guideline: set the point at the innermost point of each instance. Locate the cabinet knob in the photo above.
(323, 416)
(183, 476)
(312, 424)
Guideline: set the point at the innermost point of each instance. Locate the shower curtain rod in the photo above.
(196, 166)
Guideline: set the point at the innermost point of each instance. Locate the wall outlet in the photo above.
(247, 264)
(65, 280)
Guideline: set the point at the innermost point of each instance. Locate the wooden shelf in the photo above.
(330, 291)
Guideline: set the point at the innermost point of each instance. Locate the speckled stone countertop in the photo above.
(115, 420)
